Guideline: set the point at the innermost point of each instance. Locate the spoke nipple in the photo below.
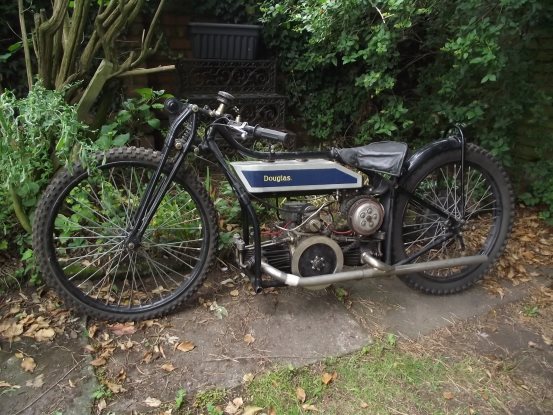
(131, 245)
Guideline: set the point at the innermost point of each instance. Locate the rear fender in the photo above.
(429, 151)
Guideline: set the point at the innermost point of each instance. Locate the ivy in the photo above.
(362, 71)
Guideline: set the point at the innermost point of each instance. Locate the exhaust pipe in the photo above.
(379, 269)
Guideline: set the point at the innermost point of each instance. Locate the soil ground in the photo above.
(229, 333)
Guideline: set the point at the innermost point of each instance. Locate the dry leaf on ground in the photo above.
(98, 362)
(300, 394)
(329, 377)
(249, 339)
(45, 334)
(185, 346)
(309, 407)
(248, 377)
(101, 405)
(4, 384)
(168, 367)
(121, 329)
(254, 410)
(115, 388)
(28, 364)
(234, 293)
(448, 395)
(36, 382)
(152, 402)
(234, 406)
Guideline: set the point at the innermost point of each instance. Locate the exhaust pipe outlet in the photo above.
(381, 271)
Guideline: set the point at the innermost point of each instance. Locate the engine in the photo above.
(311, 240)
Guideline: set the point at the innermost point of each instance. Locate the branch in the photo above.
(20, 211)
(78, 21)
(145, 49)
(146, 71)
(28, 64)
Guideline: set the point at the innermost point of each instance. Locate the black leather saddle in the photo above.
(384, 156)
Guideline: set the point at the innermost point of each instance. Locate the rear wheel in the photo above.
(481, 205)
(80, 231)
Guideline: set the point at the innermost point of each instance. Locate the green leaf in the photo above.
(154, 123)
(121, 140)
(488, 78)
(145, 93)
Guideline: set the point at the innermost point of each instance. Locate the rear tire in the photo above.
(79, 235)
(488, 215)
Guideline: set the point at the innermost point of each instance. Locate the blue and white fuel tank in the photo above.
(295, 175)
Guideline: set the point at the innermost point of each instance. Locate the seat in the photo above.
(384, 156)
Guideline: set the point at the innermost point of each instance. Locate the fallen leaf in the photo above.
(249, 339)
(185, 346)
(546, 340)
(152, 402)
(89, 348)
(147, 358)
(102, 405)
(328, 377)
(13, 330)
(121, 329)
(234, 293)
(19, 355)
(28, 364)
(252, 410)
(114, 387)
(71, 384)
(534, 345)
(4, 384)
(219, 310)
(448, 395)
(248, 377)
(364, 405)
(45, 334)
(309, 407)
(300, 394)
(234, 406)
(168, 367)
(98, 362)
(36, 382)
(92, 330)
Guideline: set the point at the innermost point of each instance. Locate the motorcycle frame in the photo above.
(157, 186)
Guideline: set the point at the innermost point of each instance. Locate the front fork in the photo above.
(158, 185)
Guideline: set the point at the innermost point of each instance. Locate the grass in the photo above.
(380, 380)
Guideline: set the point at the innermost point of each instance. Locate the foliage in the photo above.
(36, 134)
(406, 68)
(136, 116)
(230, 11)
(180, 398)
(540, 187)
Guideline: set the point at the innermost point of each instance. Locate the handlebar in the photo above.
(173, 107)
(268, 134)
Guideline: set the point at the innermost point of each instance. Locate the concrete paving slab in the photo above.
(292, 326)
(47, 389)
(387, 304)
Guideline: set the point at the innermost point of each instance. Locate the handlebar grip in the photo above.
(273, 135)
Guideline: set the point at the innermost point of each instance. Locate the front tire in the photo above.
(488, 215)
(80, 229)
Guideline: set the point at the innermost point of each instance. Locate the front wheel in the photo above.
(80, 231)
(479, 204)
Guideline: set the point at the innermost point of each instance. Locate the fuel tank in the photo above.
(295, 175)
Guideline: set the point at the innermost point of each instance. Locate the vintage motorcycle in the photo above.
(132, 235)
